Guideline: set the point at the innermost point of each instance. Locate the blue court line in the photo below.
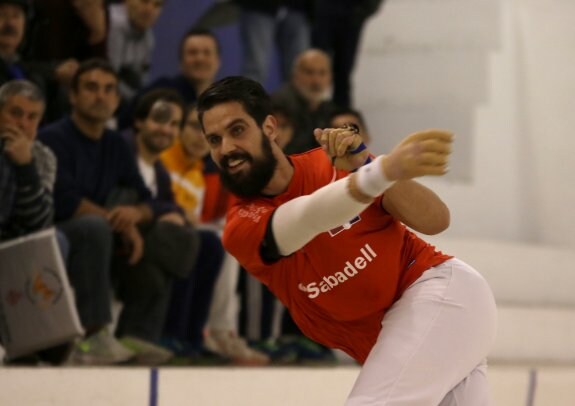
(154, 387)
(531, 387)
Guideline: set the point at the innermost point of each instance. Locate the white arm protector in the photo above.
(298, 221)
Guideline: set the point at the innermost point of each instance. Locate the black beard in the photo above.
(252, 183)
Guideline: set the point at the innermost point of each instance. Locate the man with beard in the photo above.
(157, 122)
(326, 231)
(307, 98)
(103, 205)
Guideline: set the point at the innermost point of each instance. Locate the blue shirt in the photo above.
(91, 169)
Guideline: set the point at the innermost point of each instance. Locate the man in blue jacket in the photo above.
(108, 214)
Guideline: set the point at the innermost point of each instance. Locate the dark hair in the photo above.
(148, 99)
(279, 108)
(90, 65)
(352, 112)
(198, 32)
(249, 93)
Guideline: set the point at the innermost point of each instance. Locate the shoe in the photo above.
(187, 354)
(205, 357)
(278, 354)
(101, 348)
(228, 344)
(146, 353)
(309, 352)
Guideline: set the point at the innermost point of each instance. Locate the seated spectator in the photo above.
(27, 167)
(199, 192)
(307, 98)
(343, 116)
(27, 173)
(199, 56)
(157, 123)
(47, 76)
(131, 42)
(104, 207)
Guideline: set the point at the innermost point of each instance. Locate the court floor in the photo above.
(512, 385)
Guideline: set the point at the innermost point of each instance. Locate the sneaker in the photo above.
(101, 348)
(309, 352)
(230, 345)
(278, 354)
(186, 354)
(146, 353)
(206, 358)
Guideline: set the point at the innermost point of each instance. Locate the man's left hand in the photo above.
(338, 144)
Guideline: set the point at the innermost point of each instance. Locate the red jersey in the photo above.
(337, 287)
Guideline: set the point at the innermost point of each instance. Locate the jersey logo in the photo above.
(350, 269)
(346, 226)
(253, 212)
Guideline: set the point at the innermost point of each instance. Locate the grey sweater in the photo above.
(26, 202)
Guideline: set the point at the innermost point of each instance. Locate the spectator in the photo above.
(47, 76)
(27, 167)
(199, 193)
(344, 116)
(102, 202)
(341, 44)
(131, 42)
(263, 24)
(307, 98)
(27, 173)
(158, 119)
(199, 63)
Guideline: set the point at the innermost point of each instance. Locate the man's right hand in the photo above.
(17, 146)
(123, 217)
(419, 154)
(133, 239)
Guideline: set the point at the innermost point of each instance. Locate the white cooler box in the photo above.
(37, 308)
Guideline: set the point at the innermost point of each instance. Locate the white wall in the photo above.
(500, 74)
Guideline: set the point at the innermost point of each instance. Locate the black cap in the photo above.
(25, 4)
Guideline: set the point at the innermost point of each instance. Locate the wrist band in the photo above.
(368, 160)
(360, 147)
(370, 178)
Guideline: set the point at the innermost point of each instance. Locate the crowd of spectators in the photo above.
(118, 165)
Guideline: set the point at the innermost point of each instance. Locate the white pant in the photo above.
(433, 343)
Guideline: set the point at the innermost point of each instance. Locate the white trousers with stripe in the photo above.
(433, 344)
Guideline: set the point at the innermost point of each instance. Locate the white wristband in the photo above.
(370, 178)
